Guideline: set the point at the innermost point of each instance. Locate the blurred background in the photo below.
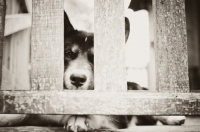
(140, 58)
(16, 49)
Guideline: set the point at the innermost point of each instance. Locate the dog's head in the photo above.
(79, 57)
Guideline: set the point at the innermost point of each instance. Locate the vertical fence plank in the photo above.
(2, 25)
(171, 46)
(47, 45)
(109, 47)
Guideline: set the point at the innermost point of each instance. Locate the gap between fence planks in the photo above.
(171, 46)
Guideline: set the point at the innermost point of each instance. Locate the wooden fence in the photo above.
(110, 96)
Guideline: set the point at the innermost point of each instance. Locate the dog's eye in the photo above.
(69, 54)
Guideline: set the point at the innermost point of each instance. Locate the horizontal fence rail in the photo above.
(107, 103)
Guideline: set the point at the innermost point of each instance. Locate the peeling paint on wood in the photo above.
(2, 26)
(90, 102)
(109, 47)
(171, 46)
(47, 45)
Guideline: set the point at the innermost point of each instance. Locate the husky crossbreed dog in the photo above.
(78, 60)
(78, 75)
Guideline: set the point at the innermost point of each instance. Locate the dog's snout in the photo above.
(78, 79)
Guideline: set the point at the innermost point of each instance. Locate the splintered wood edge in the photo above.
(134, 129)
(90, 102)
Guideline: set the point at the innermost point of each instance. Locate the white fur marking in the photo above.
(85, 39)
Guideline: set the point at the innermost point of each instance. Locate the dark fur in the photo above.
(83, 43)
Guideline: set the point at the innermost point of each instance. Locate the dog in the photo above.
(79, 75)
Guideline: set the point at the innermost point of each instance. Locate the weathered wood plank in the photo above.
(32, 129)
(2, 26)
(17, 22)
(47, 45)
(109, 47)
(171, 46)
(90, 102)
(135, 129)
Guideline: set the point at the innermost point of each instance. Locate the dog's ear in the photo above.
(127, 28)
(67, 24)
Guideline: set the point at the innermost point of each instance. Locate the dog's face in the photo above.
(78, 60)
(79, 57)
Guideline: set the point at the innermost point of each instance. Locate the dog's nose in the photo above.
(78, 80)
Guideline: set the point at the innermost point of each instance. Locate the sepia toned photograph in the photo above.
(100, 65)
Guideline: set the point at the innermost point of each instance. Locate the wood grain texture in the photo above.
(2, 26)
(47, 45)
(90, 102)
(171, 46)
(32, 129)
(109, 47)
(135, 129)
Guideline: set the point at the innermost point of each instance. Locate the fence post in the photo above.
(109, 45)
(47, 42)
(171, 46)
